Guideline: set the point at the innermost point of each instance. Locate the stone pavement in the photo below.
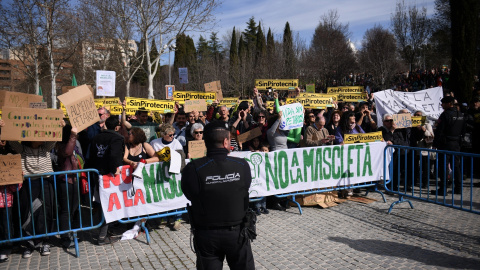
(348, 236)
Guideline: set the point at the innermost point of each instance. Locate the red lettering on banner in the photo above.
(127, 174)
(113, 200)
(115, 179)
(138, 196)
(128, 202)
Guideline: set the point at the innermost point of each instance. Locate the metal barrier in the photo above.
(373, 187)
(38, 208)
(411, 171)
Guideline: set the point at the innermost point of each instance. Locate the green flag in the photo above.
(74, 81)
(40, 93)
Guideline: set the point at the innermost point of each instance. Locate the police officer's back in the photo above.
(217, 186)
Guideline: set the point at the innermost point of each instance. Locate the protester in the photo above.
(106, 155)
(334, 122)
(137, 148)
(365, 119)
(422, 136)
(180, 127)
(218, 211)
(347, 125)
(260, 118)
(142, 122)
(196, 132)
(317, 134)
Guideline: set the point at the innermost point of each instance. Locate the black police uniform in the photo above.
(450, 127)
(217, 186)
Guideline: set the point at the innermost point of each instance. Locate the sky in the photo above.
(304, 15)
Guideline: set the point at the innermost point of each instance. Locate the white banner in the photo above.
(277, 172)
(427, 101)
(106, 83)
(292, 116)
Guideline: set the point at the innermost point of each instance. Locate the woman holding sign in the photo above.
(137, 148)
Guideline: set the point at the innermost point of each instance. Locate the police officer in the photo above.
(217, 186)
(450, 127)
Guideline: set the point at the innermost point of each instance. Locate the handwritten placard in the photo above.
(80, 107)
(292, 116)
(67, 88)
(10, 169)
(38, 105)
(418, 121)
(197, 149)
(403, 120)
(249, 135)
(195, 105)
(25, 124)
(17, 99)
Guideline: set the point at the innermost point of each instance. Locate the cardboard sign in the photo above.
(288, 84)
(25, 124)
(67, 88)
(105, 83)
(38, 105)
(195, 105)
(17, 99)
(292, 116)
(162, 106)
(10, 170)
(403, 120)
(80, 106)
(345, 89)
(197, 149)
(363, 137)
(169, 89)
(210, 87)
(249, 135)
(418, 121)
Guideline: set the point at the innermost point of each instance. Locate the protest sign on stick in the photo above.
(80, 107)
(418, 121)
(10, 169)
(17, 99)
(292, 116)
(105, 83)
(25, 124)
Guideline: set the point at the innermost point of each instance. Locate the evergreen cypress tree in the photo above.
(288, 53)
(270, 54)
(261, 48)
(250, 34)
(202, 48)
(234, 68)
(140, 76)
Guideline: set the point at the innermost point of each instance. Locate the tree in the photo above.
(465, 26)
(270, 54)
(441, 37)
(233, 60)
(164, 20)
(411, 28)
(250, 34)
(376, 55)
(288, 53)
(331, 55)
(261, 52)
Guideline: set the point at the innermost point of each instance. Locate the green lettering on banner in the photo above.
(161, 181)
(329, 165)
(336, 173)
(342, 168)
(179, 188)
(268, 169)
(169, 194)
(308, 162)
(367, 162)
(350, 160)
(295, 160)
(358, 147)
(281, 169)
(318, 165)
(149, 182)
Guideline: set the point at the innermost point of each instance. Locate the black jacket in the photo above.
(217, 186)
(450, 127)
(106, 152)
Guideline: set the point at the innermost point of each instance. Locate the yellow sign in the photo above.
(353, 97)
(228, 102)
(286, 84)
(363, 137)
(164, 154)
(105, 102)
(334, 97)
(181, 96)
(312, 103)
(270, 104)
(418, 121)
(162, 106)
(345, 89)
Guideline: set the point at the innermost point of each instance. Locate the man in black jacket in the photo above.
(217, 186)
(450, 127)
(106, 155)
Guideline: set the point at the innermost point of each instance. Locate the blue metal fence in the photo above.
(437, 176)
(25, 216)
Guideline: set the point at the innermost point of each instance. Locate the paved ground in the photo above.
(348, 236)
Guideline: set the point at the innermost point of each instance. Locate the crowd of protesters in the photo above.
(125, 140)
